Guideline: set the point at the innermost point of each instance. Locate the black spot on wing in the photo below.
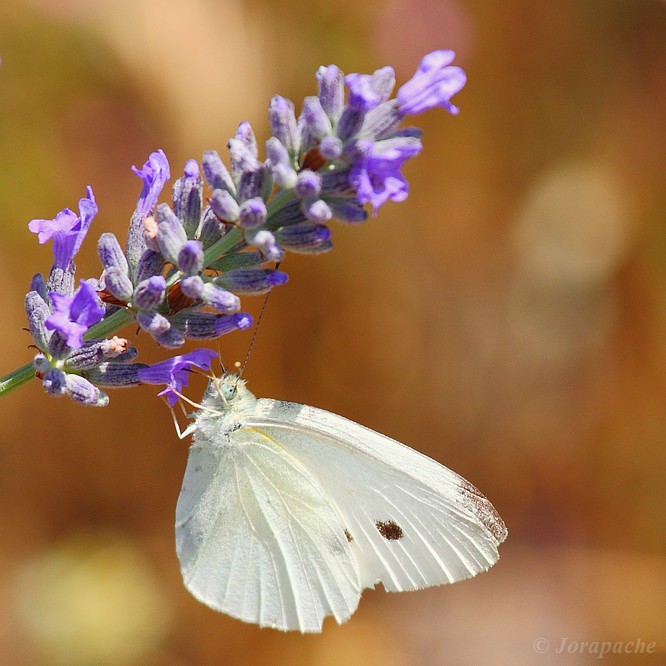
(390, 530)
(350, 538)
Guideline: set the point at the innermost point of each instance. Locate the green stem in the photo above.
(228, 242)
(17, 378)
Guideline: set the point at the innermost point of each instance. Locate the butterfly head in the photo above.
(227, 391)
(228, 387)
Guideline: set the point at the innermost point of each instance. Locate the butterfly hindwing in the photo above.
(258, 537)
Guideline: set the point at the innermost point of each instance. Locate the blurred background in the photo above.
(508, 319)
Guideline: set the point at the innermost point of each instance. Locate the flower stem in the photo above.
(17, 378)
(228, 242)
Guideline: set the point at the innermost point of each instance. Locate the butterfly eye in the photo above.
(229, 391)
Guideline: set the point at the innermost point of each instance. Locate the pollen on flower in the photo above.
(150, 227)
(115, 346)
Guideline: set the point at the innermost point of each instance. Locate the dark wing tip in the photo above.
(484, 511)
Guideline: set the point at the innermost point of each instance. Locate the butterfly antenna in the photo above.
(256, 329)
(219, 359)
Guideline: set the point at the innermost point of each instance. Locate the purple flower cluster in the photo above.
(185, 266)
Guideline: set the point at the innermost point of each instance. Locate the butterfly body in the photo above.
(288, 512)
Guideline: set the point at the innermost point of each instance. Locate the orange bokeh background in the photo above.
(508, 319)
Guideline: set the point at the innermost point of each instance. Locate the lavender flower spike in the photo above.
(81, 390)
(154, 174)
(175, 372)
(67, 229)
(433, 85)
(74, 315)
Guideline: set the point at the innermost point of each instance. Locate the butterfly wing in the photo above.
(411, 522)
(259, 539)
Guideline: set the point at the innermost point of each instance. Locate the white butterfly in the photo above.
(288, 512)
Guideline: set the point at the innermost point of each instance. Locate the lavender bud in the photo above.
(171, 339)
(267, 183)
(136, 242)
(191, 258)
(58, 347)
(192, 287)
(204, 326)
(39, 285)
(170, 233)
(251, 280)
(150, 264)
(216, 173)
(283, 123)
(61, 280)
(358, 149)
(280, 165)
(111, 254)
(150, 293)
(383, 82)
(191, 169)
(331, 91)
(54, 382)
(314, 123)
(307, 237)
(89, 355)
(350, 123)
(336, 182)
(252, 213)
(381, 121)
(82, 391)
(242, 159)
(224, 205)
(284, 176)
(331, 148)
(117, 283)
(211, 230)
(187, 193)
(220, 299)
(245, 135)
(408, 132)
(41, 365)
(38, 311)
(117, 375)
(308, 184)
(251, 183)
(317, 210)
(264, 240)
(152, 322)
(276, 153)
(347, 210)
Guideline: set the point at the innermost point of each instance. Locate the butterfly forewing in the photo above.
(410, 521)
(258, 537)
